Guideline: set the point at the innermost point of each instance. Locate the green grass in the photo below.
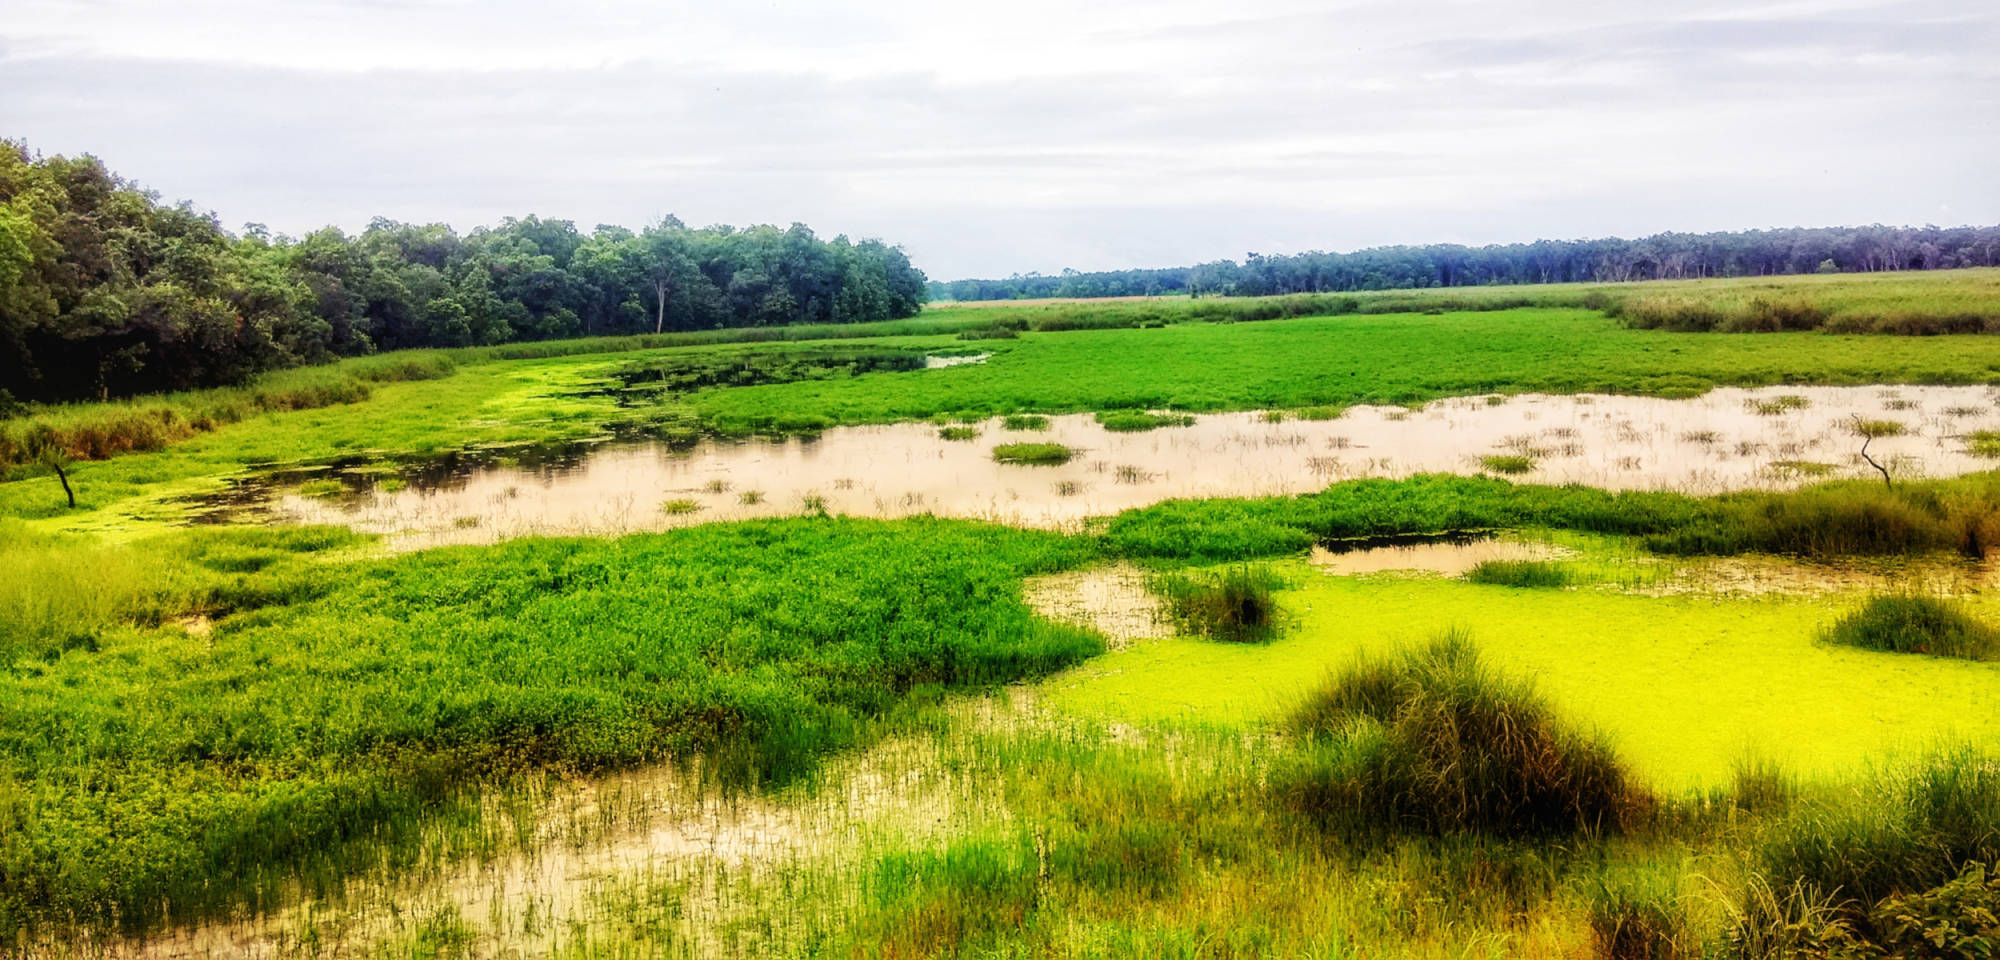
(1519, 573)
(680, 506)
(1983, 443)
(1846, 518)
(1139, 421)
(174, 773)
(1233, 605)
(1033, 453)
(1912, 623)
(958, 433)
(1024, 421)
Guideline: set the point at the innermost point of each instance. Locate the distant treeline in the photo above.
(1666, 256)
(104, 291)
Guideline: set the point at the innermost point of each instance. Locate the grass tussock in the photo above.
(1137, 421)
(958, 433)
(1234, 605)
(1829, 867)
(1639, 915)
(1983, 443)
(1912, 623)
(1042, 454)
(1434, 741)
(1520, 573)
(1024, 421)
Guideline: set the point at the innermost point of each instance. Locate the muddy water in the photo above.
(1720, 441)
(1450, 556)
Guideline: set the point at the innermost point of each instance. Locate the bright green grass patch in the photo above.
(178, 772)
(1137, 421)
(1683, 686)
(1911, 623)
(1033, 453)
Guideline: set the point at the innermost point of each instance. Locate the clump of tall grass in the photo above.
(958, 433)
(1519, 573)
(1434, 741)
(1913, 831)
(1135, 421)
(1913, 623)
(1024, 421)
(1983, 443)
(1638, 915)
(680, 506)
(1045, 454)
(1234, 606)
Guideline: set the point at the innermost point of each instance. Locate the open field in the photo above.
(1346, 709)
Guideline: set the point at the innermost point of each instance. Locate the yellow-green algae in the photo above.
(1686, 686)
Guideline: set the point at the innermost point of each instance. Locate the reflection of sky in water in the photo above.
(1709, 444)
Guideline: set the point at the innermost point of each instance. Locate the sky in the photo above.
(989, 138)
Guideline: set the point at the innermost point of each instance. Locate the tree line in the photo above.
(106, 291)
(1665, 256)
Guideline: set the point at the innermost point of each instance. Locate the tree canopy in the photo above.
(106, 291)
(1665, 256)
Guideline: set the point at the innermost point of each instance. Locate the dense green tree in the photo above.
(104, 290)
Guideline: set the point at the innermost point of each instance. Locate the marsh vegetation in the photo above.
(1088, 644)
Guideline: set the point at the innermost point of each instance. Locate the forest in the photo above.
(106, 291)
(1664, 256)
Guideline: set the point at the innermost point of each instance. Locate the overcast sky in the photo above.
(993, 137)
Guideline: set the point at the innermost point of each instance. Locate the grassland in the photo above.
(196, 723)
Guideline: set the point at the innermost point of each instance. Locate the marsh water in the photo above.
(1725, 440)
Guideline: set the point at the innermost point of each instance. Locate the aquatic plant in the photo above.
(680, 506)
(1775, 406)
(1507, 463)
(958, 433)
(1234, 605)
(1033, 453)
(1519, 573)
(1913, 623)
(1135, 421)
(1024, 421)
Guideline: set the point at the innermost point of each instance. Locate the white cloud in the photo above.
(1034, 134)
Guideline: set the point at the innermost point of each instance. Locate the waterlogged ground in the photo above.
(1725, 440)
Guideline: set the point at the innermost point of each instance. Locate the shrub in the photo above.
(1519, 573)
(1958, 919)
(1911, 623)
(1433, 741)
(1041, 454)
(1234, 606)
